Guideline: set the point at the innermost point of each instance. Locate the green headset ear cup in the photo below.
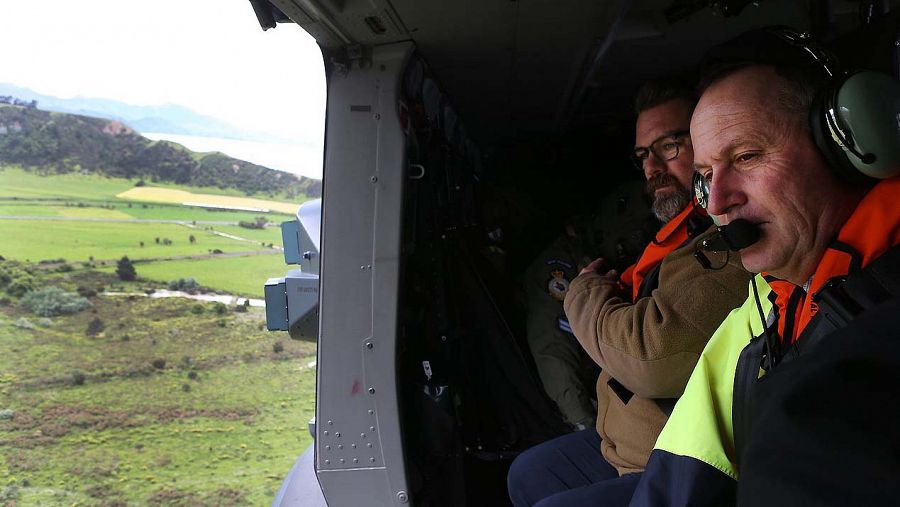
(835, 157)
(867, 105)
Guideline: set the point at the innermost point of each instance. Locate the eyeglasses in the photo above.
(664, 148)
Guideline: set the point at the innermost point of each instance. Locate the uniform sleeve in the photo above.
(651, 346)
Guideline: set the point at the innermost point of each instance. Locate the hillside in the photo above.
(61, 143)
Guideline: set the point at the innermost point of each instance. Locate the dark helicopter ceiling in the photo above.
(520, 68)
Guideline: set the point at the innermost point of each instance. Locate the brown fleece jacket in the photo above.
(649, 347)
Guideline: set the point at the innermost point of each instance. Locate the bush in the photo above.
(65, 268)
(240, 309)
(53, 301)
(186, 284)
(125, 269)
(77, 378)
(192, 375)
(18, 287)
(9, 494)
(197, 309)
(158, 363)
(95, 327)
(277, 347)
(23, 323)
(220, 308)
(86, 292)
(45, 322)
(7, 414)
(186, 387)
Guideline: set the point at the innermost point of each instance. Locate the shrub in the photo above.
(23, 323)
(53, 301)
(197, 309)
(186, 284)
(7, 414)
(9, 494)
(192, 375)
(95, 327)
(186, 387)
(86, 292)
(45, 322)
(240, 308)
(21, 285)
(158, 363)
(277, 347)
(65, 268)
(221, 323)
(125, 269)
(220, 308)
(77, 378)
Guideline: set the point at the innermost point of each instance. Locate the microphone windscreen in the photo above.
(740, 234)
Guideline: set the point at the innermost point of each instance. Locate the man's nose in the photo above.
(724, 195)
(653, 166)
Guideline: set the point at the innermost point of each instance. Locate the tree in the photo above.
(125, 269)
(192, 239)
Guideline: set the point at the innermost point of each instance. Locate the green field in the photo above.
(243, 276)
(174, 402)
(135, 210)
(267, 235)
(15, 182)
(131, 432)
(78, 241)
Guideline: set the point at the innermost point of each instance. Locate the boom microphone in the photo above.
(735, 236)
(732, 237)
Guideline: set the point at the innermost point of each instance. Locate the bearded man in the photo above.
(645, 328)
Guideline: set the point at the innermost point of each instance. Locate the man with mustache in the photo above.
(645, 328)
(795, 400)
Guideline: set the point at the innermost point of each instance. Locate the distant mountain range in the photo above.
(167, 119)
(54, 142)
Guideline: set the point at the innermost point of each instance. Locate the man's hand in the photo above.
(596, 266)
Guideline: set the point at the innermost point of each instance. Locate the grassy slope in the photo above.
(77, 241)
(236, 275)
(18, 183)
(139, 211)
(267, 235)
(132, 433)
(15, 182)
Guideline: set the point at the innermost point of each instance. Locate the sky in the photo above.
(208, 55)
